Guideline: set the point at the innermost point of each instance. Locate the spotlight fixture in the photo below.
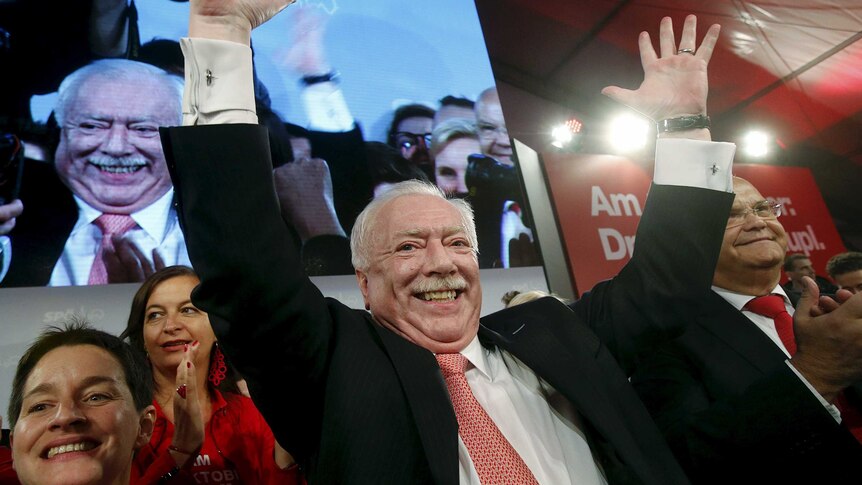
(629, 133)
(564, 133)
(756, 144)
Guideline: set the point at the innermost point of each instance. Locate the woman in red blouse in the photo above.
(205, 431)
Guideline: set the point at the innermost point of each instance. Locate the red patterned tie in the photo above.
(495, 460)
(109, 224)
(772, 306)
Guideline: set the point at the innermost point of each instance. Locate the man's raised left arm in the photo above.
(680, 233)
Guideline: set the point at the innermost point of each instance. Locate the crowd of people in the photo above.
(108, 193)
(162, 392)
(692, 365)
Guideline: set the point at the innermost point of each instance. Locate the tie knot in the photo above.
(111, 224)
(451, 364)
(768, 306)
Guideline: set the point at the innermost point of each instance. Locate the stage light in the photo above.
(629, 133)
(756, 144)
(563, 134)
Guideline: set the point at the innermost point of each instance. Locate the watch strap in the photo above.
(682, 123)
(322, 78)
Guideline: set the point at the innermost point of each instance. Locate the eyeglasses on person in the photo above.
(407, 140)
(763, 209)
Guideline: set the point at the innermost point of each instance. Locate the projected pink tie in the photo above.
(109, 224)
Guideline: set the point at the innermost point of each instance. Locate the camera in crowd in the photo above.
(486, 175)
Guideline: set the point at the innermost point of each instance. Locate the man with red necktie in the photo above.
(744, 388)
(417, 389)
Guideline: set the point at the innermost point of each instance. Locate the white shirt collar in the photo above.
(153, 219)
(738, 300)
(476, 354)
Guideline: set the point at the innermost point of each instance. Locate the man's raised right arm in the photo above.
(271, 320)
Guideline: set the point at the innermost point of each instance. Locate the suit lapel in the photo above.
(565, 357)
(742, 336)
(429, 402)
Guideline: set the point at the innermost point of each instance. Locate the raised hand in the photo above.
(231, 20)
(306, 54)
(674, 84)
(188, 418)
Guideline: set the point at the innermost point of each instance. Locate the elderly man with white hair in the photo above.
(418, 389)
(105, 214)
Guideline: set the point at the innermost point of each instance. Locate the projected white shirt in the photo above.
(158, 228)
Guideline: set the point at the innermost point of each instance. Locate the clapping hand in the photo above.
(188, 418)
(829, 339)
(127, 263)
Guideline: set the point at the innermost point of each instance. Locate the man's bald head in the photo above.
(493, 135)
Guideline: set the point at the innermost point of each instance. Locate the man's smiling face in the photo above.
(110, 153)
(750, 242)
(423, 278)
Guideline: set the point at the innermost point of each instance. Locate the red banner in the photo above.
(599, 200)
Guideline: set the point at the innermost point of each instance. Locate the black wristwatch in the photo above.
(683, 123)
(323, 78)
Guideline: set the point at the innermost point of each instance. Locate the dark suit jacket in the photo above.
(40, 233)
(365, 405)
(734, 412)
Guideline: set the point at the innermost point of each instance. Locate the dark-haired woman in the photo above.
(205, 432)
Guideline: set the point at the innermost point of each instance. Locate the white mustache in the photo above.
(453, 282)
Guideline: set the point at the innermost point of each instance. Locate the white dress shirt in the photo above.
(542, 426)
(545, 431)
(158, 228)
(767, 326)
(5, 255)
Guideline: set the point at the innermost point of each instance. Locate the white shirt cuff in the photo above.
(326, 108)
(5, 255)
(694, 163)
(219, 82)
(833, 410)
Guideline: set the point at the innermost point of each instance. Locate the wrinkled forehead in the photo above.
(73, 365)
(143, 96)
(746, 194)
(490, 112)
(129, 85)
(416, 214)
